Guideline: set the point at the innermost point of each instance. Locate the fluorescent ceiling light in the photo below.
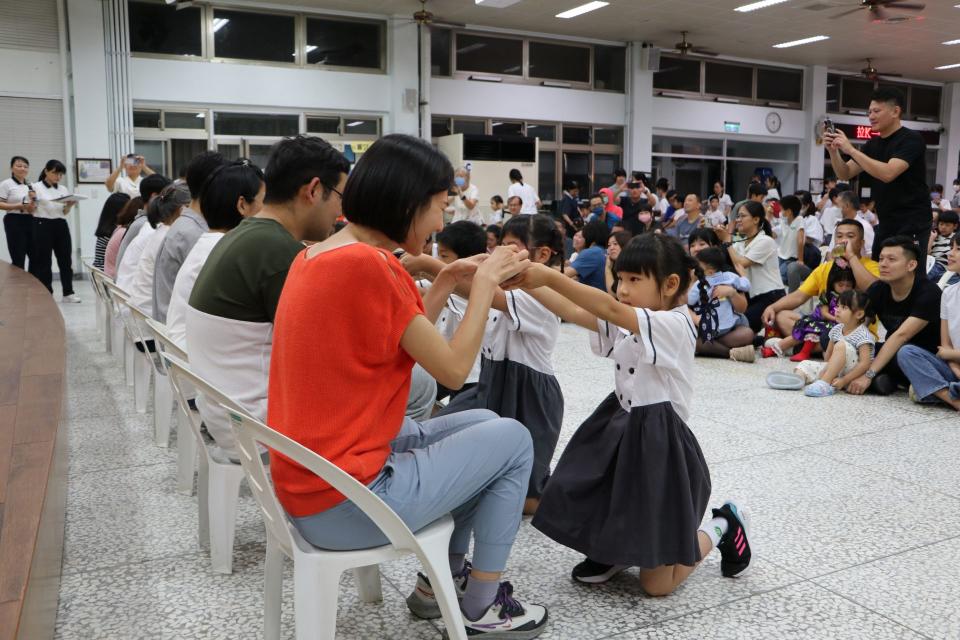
(582, 9)
(470, 48)
(219, 23)
(951, 42)
(948, 66)
(201, 115)
(753, 6)
(356, 123)
(797, 43)
(311, 47)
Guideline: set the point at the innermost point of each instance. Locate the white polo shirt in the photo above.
(13, 192)
(128, 186)
(46, 208)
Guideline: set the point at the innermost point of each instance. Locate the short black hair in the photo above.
(950, 217)
(756, 189)
(294, 162)
(496, 231)
(937, 188)
(151, 185)
(569, 184)
(497, 199)
(663, 184)
(14, 160)
(671, 194)
(858, 301)
(714, 197)
(223, 188)
(464, 238)
(596, 233)
(850, 198)
(200, 168)
(639, 176)
(850, 222)
(392, 182)
(908, 244)
(540, 230)
(890, 95)
(713, 257)
(620, 172)
(792, 203)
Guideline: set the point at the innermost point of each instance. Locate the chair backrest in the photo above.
(138, 320)
(164, 340)
(120, 300)
(250, 432)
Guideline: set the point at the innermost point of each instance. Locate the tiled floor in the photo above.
(855, 503)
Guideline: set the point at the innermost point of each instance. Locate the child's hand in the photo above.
(948, 353)
(838, 383)
(538, 275)
(723, 291)
(505, 263)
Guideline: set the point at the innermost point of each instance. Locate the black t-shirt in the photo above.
(570, 206)
(923, 302)
(631, 210)
(906, 200)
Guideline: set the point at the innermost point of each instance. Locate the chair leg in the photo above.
(107, 329)
(203, 501)
(186, 455)
(98, 308)
(222, 504)
(141, 381)
(117, 339)
(272, 589)
(128, 360)
(315, 602)
(162, 409)
(368, 583)
(437, 567)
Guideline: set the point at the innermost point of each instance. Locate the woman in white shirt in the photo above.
(773, 189)
(755, 258)
(529, 200)
(466, 198)
(18, 200)
(726, 203)
(51, 233)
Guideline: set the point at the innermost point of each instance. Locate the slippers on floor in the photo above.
(783, 381)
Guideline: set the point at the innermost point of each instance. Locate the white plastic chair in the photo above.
(186, 442)
(163, 404)
(143, 362)
(316, 572)
(104, 317)
(218, 483)
(125, 349)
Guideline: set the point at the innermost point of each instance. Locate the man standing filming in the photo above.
(896, 160)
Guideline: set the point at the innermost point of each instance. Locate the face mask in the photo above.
(644, 218)
(460, 181)
(597, 210)
(934, 196)
(605, 200)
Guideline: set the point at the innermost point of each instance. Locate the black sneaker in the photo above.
(590, 572)
(734, 545)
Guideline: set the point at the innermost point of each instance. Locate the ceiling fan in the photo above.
(684, 47)
(877, 9)
(871, 73)
(423, 17)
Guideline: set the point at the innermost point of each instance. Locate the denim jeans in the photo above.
(927, 373)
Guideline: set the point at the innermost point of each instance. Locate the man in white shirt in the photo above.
(135, 167)
(850, 210)
(466, 198)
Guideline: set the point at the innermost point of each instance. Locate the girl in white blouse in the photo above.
(18, 200)
(51, 233)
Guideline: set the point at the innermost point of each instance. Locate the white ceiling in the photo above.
(910, 48)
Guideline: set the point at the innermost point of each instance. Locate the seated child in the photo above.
(812, 331)
(721, 328)
(850, 352)
(940, 242)
(493, 237)
(715, 215)
(496, 210)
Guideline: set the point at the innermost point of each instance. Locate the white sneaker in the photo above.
(508, 619)
(423, 602)
(72, 298)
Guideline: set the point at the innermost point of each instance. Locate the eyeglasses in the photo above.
(337, 192)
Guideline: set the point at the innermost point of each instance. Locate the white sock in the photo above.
(715, 529)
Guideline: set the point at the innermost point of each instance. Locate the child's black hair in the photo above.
(949, 217)
(498, 200)
(858, 301)
(840, 274)
(595, 233)
(464, 238)
(710, 236)
(713, 257)
(539, 230)
(659, 256)
(496, 231)
(792, 203)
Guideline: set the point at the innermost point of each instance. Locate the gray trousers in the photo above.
(473, 465)
(423, 394)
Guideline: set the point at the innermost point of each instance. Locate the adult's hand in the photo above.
(462, 271)
(505, 263)
(722, 233)
(859, 386)
(948, 353)
(769, 316)
(839, 141)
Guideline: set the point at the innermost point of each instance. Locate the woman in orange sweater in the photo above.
(349, 327)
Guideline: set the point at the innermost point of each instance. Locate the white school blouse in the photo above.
(46, 208)
(128, 186)
(528, 196)
(13, 192)
(449, 320)
(526, 334)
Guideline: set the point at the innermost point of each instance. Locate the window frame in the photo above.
(573, 84)
(298, 36)
(703, 95)
(457, 73)
(908, 114)
(174, 56)
(382, 27)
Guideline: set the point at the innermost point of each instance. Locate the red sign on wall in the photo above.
(866, 132)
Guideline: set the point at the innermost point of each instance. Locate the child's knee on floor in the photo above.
(659, 582)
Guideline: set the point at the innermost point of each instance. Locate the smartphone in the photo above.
(829, 126)
(840, 250)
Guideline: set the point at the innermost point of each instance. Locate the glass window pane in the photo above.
(546, 132)
(253, 36)
(856, 94)
(925, 102)
(547, 176)
(687, 146)
(489, 55)
(153, 152)
(742, 149)
(609, 68)
(469, 126)
(576, 135)
(603, 167)
(146, 119)
(339, 43)
(255, 124)
(181, 120)
(576, 166)
(440, 127)
(160, 28)
(507, 128)
(780, 85)
(259, 153)
(229, 152)
(440, 41)
(182, 152)
(316, 124)
(833, 93)
(678, 74)
(358, 126)
(608, 135)
(559, 62)
(729, 80)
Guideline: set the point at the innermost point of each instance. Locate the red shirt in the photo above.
(339, 379)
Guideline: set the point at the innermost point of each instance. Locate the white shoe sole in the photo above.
(603, 577)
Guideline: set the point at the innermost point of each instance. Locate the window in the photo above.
(440, 127)
(506, 128)
(609, 68)
(546, 132)
(576, 135)
(678, 74)
(489, 55)
(856, 94)
(180, 120)
(833, 93)
(360, 126)
(559, 62)
(316, 124)
(687, 146)
(339, 43)
(925, 102)
(440, 41)
(603, 167)
(255, 124)
(254, 36)
(729, 80)
(146, 119)
(159, 28)
(547, 176)
(780, 85)
(470, 126)
(744, 149)
(608, 135)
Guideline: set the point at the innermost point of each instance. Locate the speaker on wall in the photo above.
(650, 58)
